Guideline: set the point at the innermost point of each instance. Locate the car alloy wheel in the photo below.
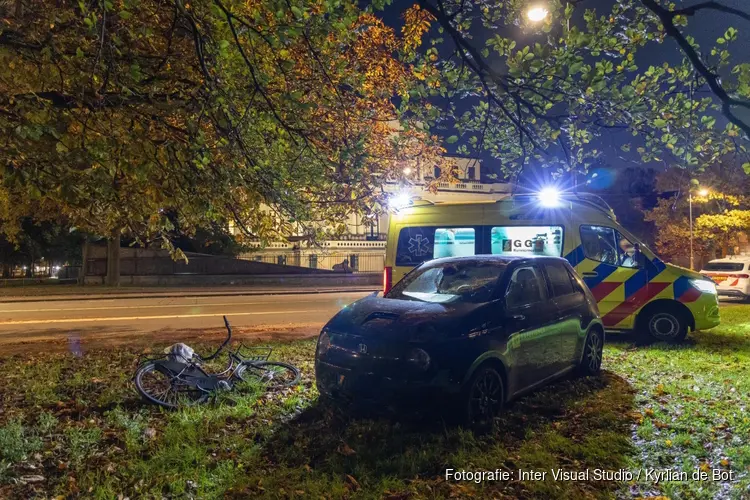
(664, 326)
(485, 397)
(594, 349)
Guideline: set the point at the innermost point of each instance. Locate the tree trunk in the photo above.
(6, 270)
(84, 261)
(113, 258)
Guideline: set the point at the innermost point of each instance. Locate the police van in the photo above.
(634, 289)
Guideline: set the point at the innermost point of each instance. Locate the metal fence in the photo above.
(355, 262)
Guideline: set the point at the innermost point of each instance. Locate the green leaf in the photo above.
(124, 14)
(660, 123)
(452, 139)
(746, 168)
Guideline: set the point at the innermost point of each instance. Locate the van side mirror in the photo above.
(638, 256)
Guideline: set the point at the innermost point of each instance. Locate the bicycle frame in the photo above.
(192, 374)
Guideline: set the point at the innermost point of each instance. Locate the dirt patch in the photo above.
(90, 339)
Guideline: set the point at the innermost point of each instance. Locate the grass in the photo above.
(72, 425)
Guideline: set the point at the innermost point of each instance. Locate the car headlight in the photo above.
(324, 343)
(419, 359)
(704, 286)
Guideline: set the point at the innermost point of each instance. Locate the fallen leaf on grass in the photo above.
(352, 482)
(345, 450)
(34, 478)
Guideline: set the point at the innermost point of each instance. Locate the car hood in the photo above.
(402, 319)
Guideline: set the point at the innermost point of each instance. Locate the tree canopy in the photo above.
(549, 93)
(280, 114)
(262, 113)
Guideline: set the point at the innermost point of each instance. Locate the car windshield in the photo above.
(724, 266)
(450, 282)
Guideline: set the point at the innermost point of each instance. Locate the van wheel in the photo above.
(666, 325)
(484, 398)
(593, 349)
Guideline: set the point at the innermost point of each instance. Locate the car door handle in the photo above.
(590, 274)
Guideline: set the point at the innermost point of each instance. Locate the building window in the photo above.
(470, 172)
(437, 172)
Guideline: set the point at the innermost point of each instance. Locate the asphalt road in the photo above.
(118, 317)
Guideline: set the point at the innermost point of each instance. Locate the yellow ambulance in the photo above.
(633, 287)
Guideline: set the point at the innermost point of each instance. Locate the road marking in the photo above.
(156, 306)
(310, 298)
(131, 318)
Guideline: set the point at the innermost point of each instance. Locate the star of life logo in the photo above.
(419, 245)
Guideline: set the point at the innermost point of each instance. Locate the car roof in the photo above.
(508, 259)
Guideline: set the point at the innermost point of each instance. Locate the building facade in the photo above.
(363, 246)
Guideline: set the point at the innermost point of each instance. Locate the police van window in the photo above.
(527, 240)
(559, 279)
(607, 245)
(455, 242)
(420, 244)
(526, 287)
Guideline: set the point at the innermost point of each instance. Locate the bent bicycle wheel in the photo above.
(158, 385)
(269, 374)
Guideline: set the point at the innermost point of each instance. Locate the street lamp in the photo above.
(537, 14)
(702, 192)
(407, 171)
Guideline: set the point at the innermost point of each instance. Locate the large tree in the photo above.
(261, 114)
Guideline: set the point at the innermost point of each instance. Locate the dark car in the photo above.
(483, 328)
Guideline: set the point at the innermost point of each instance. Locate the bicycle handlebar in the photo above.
(226, 341)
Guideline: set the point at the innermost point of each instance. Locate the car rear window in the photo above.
(724, 266)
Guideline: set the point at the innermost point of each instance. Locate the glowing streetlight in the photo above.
(407, 171)
(703, 192)
(537, 14)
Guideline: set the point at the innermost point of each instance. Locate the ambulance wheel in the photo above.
(664, 323)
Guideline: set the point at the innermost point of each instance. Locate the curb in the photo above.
(167, 295)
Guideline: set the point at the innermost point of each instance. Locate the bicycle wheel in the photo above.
(158, 385)
(269, 374)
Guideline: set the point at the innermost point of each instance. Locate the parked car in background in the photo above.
(731, 275)
(483, 328)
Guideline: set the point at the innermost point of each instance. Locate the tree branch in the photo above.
(667, 19)
(690, 11)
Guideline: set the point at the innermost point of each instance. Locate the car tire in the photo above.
(483, 398)
(666, 325)
(593, 350)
